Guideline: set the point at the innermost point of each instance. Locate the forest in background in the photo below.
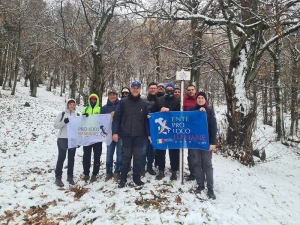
(244, 54)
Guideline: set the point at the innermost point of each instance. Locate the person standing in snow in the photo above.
(131, 121)
(189, 100)
(62, 143)
(148, 153)
(201, 159)
(92, 108)
(124, 92)
(110, 107)
(167, 103)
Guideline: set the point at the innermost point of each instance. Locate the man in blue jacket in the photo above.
(110, 107)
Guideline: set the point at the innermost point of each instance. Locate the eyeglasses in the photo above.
(125, 93)
(190, 89)
(152, 88)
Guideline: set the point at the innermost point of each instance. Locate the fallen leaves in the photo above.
(79, 192)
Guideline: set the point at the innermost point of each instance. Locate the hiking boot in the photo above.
(139, 182)
(86, 178)
(108, 176)
(199, 189)
(143, 173)
(71, 181)
(116, 177)
(151, 171)
(58, 182)
(190, 178)
(211, 194)
(121, 184)
(160, 176)
(174, 175)
(93, 179)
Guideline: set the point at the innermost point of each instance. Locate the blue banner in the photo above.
(174, 130)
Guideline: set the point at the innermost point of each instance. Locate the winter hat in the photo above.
(161, 85)
(136, 83)
(170, 84)
(71, 101)
(202, 94)
(125, 90)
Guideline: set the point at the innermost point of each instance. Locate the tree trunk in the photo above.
(264, 102)
(196, 52)
(294, 99)
(73, 85)
(16, 69)
(97, 81)
(6, 67)
(2, 66)
(33, 78)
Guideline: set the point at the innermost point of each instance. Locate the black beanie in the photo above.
(202, 94)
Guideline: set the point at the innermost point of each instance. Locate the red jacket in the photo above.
(188, 102)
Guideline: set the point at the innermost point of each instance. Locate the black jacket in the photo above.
(164, 101)
(150, 99)
(131, 115)
(211, 122)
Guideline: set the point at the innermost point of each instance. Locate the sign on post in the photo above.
(183, 75)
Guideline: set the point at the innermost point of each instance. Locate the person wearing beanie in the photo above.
(189, 100)
(60, 123)
(92, 108)
(160, 90)
(124, 92)
(201, 159)
(130, 122)
(110, 107)
(167, 103)
(148, 153)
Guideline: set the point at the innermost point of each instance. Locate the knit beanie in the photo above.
(202, 94)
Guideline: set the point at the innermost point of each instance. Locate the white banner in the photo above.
(84, 131)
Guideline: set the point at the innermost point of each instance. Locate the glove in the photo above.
(66, 120)
(85, 114)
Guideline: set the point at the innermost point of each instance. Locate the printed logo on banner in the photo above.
(163, 128)
(103, 129)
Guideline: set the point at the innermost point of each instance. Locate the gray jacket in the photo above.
(59, 121)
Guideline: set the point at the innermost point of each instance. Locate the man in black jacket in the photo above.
(148, 153)
(167, 103)
(131, 115)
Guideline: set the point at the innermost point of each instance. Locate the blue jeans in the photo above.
(147, 153)
(110, 156)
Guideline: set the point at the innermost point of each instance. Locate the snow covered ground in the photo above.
(268, 193)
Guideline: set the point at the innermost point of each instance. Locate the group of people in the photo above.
(131, 136)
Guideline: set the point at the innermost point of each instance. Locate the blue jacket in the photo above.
(211, 122)
(109, 107)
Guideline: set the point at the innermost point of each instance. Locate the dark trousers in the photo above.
(174, 159)
(132, 147)
(87, 154)
(190, 164)
(201, 161)
(62, 144)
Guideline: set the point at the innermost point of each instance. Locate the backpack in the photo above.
(63, 113)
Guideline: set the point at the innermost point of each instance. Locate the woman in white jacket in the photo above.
(62, 143)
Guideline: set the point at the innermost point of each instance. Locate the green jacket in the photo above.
(89, 109)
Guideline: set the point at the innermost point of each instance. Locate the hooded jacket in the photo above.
(59, 121)
(92, 110)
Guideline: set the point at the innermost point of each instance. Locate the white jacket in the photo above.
(59, 121)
